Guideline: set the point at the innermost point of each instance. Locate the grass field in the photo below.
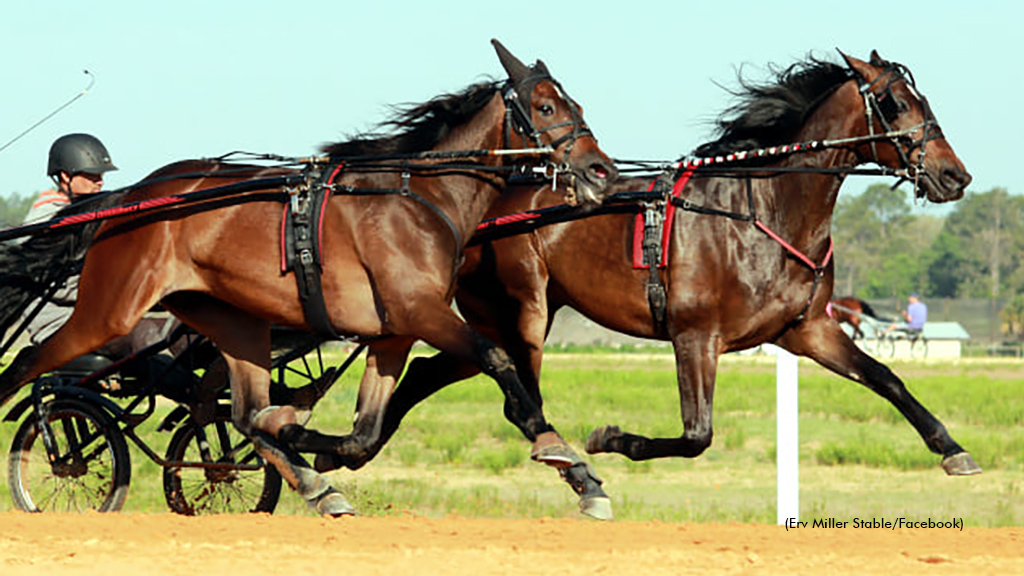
(859, 458)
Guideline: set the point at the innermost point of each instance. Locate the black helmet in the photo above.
(76, 153)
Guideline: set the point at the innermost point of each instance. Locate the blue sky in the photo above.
(191, 79)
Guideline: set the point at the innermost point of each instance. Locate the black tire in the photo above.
(197, 491)
(92, 471)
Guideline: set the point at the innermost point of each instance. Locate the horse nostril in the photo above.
(965, 179)
(960, 177)
(599, 171)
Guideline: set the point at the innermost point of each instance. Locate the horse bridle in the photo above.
(518, 119)
(884, 105)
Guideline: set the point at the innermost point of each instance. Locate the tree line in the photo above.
(885, 251)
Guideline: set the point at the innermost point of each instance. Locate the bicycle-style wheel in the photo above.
(245, 483)
(92, 469)
(886, 347)
(919, 348)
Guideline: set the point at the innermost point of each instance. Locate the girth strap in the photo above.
(301, 234)
(654, 217)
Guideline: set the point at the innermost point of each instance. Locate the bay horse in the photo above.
(389, 262)
(851, 310)
(732, 283)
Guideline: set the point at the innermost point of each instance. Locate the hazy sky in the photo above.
(187, 79)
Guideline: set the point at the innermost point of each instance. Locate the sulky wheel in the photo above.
(91, 470)
(245, 483)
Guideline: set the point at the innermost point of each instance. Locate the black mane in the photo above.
(771, 113)
(29, 267)
(418, 127)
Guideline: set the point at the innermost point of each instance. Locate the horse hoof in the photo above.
(596, 440)
(331, 504)
(550, 449)
(599, 508)
(960, 465)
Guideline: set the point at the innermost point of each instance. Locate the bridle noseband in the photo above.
(884, 105)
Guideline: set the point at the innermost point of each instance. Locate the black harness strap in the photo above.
(302, 254)
(654, 224)
(407, 192)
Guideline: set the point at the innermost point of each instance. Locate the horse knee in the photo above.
(697, 443)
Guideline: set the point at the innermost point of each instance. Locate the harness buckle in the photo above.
(299, 201)
(405, 190)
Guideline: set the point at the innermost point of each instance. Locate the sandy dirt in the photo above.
(142, 544)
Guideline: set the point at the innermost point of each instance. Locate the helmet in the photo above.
(75, 153)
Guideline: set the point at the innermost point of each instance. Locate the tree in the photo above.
(13, 209)
(880, 246)
(1013, 316)
(987, 231)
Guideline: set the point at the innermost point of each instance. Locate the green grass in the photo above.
(456, 454)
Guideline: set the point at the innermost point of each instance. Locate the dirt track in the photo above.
(140, 544)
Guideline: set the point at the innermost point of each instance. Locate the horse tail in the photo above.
(29, 267)
(867, 310)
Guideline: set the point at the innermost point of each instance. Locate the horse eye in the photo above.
(546, 110)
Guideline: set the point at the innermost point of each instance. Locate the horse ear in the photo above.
(541, 67)
(877, 60)
(517, 71)
(862, 68)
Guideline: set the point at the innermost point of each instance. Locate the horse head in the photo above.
(540, 112)
(914, 142)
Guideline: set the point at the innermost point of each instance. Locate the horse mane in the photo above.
(771, 113)
(418, 127)
(28, 268)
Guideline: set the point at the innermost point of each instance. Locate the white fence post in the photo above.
(787, 436)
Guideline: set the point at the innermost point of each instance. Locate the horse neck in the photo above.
(807, 199)
(466, 200)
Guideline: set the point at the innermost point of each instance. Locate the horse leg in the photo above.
(90, 326)
(423, 378)
(524, 338)
(827, 345)
(385, 360)
(244, 343)
(438, 325)
(857, 332)
(696, 367)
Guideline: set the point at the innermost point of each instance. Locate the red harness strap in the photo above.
(798, 254)
(670, 211)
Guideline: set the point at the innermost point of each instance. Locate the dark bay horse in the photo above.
(730, 285)
(851, 310)
(389, 263)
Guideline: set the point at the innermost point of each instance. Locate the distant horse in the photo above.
(389, 262)
(730, 284)
(850, 310)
